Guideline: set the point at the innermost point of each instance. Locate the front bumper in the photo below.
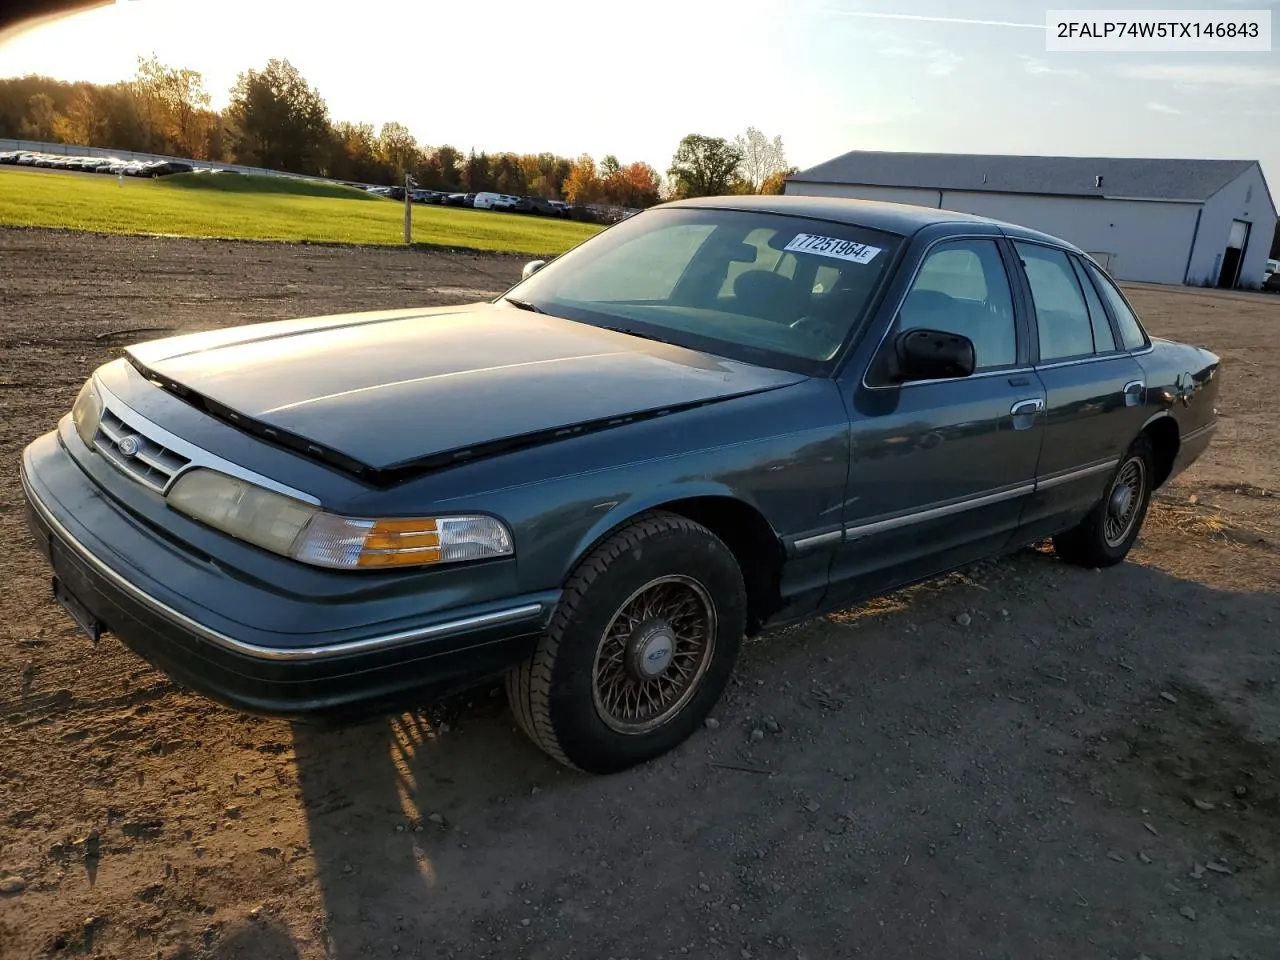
(90, 547)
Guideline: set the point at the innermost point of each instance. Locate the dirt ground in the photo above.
(1025, 760)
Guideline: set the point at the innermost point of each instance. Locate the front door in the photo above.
(940, 469)
(1094, 389)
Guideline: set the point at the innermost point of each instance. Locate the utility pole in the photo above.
(409, 184)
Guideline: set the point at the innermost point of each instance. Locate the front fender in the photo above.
(624, 511)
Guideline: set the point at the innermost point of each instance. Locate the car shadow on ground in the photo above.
(257, 941)
(985, 763)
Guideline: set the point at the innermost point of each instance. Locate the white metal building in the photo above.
(1158, 221)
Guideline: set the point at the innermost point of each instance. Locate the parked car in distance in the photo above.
(488, 200)
(719, 416)
(540, 206)
(1271, 275)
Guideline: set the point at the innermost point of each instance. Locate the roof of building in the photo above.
(1137, 178)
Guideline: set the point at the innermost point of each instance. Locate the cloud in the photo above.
(1042, 68)
(943, 63)
(939, 61)
(921, 18)
(1164, 108)
(1235, 75)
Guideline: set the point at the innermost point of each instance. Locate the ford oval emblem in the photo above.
(128, 446)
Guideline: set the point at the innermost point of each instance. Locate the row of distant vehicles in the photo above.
(483, 200)
(109, 165)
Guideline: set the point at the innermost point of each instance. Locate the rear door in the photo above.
(1094, 389)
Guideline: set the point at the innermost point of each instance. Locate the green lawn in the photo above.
(238, 207)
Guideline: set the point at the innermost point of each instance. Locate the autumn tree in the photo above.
(175, 106)
(83, 121)
(508, 176)
(40, 119)
(277, 121)
(583, 185)
(544, 174)
(635, 185)
(281, 122)
(704, 166)
(397, 150)
(353, 153)
(449, 159)
(761, 158)
(476, 173)
(776, 182)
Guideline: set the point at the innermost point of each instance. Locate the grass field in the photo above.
(238, 207)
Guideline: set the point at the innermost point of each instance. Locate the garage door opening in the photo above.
(1233, 256)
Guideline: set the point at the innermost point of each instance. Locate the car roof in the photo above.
(904, 219)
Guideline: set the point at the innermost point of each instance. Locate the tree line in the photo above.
(276, 119)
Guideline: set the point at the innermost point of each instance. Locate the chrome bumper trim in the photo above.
(518, 614)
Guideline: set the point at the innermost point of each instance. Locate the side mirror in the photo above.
(532, 267)
(934, 355)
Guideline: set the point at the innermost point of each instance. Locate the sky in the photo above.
(828, 76)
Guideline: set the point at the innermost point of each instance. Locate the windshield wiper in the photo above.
(524, 304)
(636, 333)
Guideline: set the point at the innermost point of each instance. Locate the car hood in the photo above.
(388, 390)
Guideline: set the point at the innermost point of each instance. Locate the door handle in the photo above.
(1025, 408)
(1133, 392)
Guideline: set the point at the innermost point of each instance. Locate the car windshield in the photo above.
(763, 288)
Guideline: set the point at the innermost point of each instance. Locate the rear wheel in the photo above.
(640, 649)
(1106, 535)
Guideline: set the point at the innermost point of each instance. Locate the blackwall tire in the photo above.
(1105, 537)
(639, 650)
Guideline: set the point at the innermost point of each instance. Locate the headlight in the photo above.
(86, 412)
(304, 532)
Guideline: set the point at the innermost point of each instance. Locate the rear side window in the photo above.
(1104, 339)
(1130, 329)
(1062, 318)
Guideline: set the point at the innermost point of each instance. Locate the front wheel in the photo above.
(639, 650)
(1106, 535)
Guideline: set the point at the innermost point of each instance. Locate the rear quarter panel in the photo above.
(1182, 382)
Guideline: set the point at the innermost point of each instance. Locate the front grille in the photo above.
(142, 458)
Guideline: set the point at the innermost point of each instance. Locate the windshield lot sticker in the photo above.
(832, 247)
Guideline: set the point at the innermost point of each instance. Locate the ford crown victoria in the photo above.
(715, 417)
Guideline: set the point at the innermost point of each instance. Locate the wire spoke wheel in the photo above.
(1124, 502)
(653, 654)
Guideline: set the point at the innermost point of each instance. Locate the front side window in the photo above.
(1062, 318)
(1131, 333)
(763, 288)
(962, 287)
